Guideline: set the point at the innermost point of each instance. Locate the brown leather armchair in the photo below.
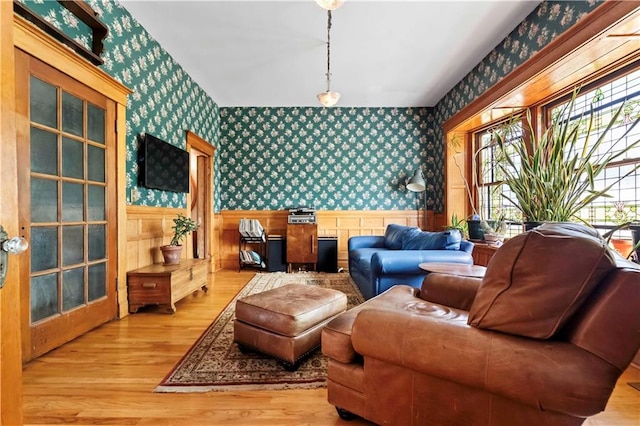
(540, 340)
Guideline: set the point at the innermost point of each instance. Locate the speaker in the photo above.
(327, 254)
(276, 254)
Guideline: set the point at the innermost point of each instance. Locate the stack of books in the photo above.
(251, 229)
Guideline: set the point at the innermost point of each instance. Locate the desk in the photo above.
(461, 269)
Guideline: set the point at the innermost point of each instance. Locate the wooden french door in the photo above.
(66, 185)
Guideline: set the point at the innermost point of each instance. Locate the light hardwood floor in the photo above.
(107, 377)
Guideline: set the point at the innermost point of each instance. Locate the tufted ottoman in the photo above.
(286, 322)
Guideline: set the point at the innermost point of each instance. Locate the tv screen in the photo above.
(162, 165)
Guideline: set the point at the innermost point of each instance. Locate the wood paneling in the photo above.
(342, 224)
(148, 228)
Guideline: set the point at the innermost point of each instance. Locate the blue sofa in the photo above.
(377, 263)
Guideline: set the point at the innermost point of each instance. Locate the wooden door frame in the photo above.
(10, 343)
(51, 333)
(36, 43)
(196, 142)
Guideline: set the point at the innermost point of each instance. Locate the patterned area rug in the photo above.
(214, 362)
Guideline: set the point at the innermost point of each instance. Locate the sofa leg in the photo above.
(244, 349)
(290, 366)
(345, 415)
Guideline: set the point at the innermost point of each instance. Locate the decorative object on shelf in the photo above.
(182, 226)
(417, 184)
(554, 177)
(328, 98)
(330, 4)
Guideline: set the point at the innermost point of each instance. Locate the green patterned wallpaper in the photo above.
(272, 158)
(165, 100)
(340, 134)
(544, 24)
(327, 158)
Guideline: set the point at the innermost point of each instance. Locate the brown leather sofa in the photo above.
(540, 340)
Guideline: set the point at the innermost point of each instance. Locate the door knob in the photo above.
(15, 245)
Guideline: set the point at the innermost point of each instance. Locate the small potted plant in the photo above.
(494, 230)
(182, 226)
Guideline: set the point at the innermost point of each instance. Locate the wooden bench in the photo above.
(164, 285)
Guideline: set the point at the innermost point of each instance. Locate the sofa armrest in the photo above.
(466, 246)
(407, 261)
(450, 290)
(546, 375)
(365, 241)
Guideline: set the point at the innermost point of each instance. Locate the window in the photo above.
(492, 195)
(605, 97)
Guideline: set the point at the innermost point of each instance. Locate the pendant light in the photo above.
(330, 4)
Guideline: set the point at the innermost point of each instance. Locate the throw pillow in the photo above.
(415, 239)
(537, 280)
(393, 235)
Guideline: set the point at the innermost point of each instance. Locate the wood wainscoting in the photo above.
(342, 224)
(148, 228)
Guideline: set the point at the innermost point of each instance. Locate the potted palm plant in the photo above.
(182, 226)
(554, 176)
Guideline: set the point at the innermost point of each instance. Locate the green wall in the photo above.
(273, 158)
(273, 169)
(544, 24)
(327, 158)
(165, 100)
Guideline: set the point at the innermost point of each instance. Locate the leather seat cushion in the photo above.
(291, 309)
(336, 335)
(537, 280)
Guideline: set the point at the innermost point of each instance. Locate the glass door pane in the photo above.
(68, 201)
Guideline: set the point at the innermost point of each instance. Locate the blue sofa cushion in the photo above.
(393, 235)
(414, 239)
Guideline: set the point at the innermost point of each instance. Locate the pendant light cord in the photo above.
(328, 50)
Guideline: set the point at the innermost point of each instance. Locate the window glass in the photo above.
(604, 99)
(493, 196)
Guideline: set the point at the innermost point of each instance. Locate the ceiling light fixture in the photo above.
(330, 4)
(328, 98)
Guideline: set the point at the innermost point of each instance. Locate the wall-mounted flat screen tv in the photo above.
(162, 165)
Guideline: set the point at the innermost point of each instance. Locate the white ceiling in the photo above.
(274, 53)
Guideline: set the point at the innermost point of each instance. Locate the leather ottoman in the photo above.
(286, 322)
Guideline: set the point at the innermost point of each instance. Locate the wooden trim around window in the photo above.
(592, 47)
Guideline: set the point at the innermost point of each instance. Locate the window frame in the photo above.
(541, 117)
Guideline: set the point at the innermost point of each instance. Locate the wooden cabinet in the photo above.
(164, 285)
(302, 244)
(482, 253)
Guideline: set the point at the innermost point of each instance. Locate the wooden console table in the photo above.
(164, 285)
